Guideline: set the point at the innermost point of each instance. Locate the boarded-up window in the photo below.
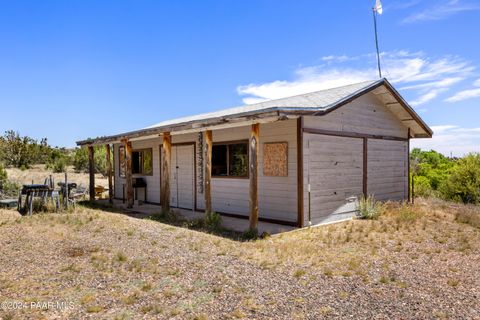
(121, 163)
(275, 159)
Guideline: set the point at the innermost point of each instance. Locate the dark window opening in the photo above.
(230, 160)
(142, 162)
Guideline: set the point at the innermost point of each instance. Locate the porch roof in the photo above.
(315, 103)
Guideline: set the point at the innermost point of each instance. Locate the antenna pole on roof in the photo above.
(377, 9)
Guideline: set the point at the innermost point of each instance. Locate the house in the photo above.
(296, 161)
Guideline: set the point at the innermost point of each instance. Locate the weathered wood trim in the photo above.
(410, 111)
(109, 173)
(166, 162)
(253, 165)
(143, 174)
(408, 164)
(128, 173)
(365, 167)
(91, 171)
(207, 190)
(300, 203)
(351, 134)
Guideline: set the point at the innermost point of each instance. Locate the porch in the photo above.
(230, 223)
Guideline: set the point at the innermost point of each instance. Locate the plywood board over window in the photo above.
(275, 159)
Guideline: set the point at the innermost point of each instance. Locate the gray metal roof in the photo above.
(314, 103)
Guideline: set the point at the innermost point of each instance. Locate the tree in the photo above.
(17, 151)
(464, 182)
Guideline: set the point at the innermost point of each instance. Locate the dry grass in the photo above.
(114, 266)
(38, 173)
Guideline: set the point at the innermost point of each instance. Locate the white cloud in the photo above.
(451, 140)
(430, 95)
(466, 94)
(425, 76)
(441, 10)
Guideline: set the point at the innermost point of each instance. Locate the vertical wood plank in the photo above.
(254, 146)
(128, 173)
(208, 171)
(91, 171)
(165, 182)
(408, 164)
(109, 173)
(300, 215)
(365, 167)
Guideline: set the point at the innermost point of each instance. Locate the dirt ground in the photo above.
(414, 262)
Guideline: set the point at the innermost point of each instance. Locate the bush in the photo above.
(8, 189)
(463, 185)
(213, 220)
(422, 186)
(369, 208)
(80, 160)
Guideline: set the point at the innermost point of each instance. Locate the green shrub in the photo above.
(81, 163)
(250, 234)
(213, 220)
(463, 185)
(369, 208)
(422, 186)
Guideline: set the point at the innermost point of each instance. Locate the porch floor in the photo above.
(231, 223)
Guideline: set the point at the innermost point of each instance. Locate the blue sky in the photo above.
(76, 69)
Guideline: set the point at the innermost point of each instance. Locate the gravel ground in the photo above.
(108, 265)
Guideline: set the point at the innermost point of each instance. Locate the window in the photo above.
(230, 160)
(142, 162)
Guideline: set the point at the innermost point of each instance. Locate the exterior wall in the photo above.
(365, 115)
(277, 195)
(387, 159)
(153, 181)
(388, 169)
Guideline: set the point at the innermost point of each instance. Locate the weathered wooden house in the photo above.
(294, 161)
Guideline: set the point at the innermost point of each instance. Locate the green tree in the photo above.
(463, 184)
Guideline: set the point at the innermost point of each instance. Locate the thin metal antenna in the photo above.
(376, 41)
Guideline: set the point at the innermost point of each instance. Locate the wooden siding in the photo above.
(334, 169)
(364, 115)
(277, 195)
(387, 169)
(387, 159)
(153, 181)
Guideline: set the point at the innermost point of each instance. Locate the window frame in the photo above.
(227, 143)
(142, 164)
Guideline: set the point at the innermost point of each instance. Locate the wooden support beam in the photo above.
(128, 173)
(208, 171)
(91, 171)
(408, 165)
(165, 182)
(254, 146)
(109, 173)
(365, 168)
(300, 214)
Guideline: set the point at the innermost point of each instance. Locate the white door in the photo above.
(335, 174)
(182, 176)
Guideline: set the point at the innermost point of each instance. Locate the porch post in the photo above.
(91, 171)
(208, 171)
(109, 173)
(128, 173)
(254, 141)
(165, 183)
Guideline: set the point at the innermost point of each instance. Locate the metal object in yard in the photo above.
(39, 191)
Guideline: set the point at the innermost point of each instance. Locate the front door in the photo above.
(182, 189)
